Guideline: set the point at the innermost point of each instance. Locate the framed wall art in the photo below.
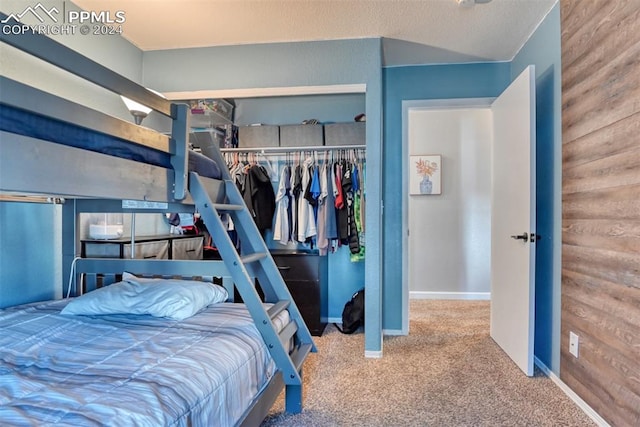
(425, 174)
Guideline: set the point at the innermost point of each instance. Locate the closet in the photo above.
(308, 135)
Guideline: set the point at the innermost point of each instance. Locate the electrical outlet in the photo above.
(573, 344)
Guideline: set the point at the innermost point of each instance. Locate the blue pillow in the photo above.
(173, 299)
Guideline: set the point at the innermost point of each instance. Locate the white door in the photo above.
(513, 220)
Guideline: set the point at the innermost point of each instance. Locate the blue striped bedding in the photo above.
(124, 370)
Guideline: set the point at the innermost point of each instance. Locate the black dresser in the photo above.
(305, 274)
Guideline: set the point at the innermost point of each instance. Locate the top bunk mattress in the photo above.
(34, 125)
(129, 370)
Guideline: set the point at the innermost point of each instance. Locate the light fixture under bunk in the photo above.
(137, 110)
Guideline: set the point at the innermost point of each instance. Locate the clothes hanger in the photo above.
(268, 166)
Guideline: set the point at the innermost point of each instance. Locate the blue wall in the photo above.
(543, 50)
(30, 253)
(418, 83)
(264, 65)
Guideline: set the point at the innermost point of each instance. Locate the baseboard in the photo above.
(373, 354)
(450, 295)
(393, 332)
(331, 319)
(572, 394)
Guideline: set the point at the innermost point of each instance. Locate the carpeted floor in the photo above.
(446, 372)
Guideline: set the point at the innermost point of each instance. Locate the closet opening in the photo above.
(312, 134)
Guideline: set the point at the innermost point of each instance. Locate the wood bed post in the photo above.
(293, 398)
(69, 231)
(179, 158)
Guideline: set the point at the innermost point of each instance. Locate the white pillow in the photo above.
(173, 299)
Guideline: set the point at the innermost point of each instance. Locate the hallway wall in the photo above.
(450, 234)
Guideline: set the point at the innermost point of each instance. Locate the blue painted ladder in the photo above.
(255, 261)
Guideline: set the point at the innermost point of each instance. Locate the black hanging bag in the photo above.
(353, 314)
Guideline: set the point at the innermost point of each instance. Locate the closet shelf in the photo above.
(289, 149)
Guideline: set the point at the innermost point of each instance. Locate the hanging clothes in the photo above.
(337, 189)
(314, 189)
(357, 211)
(259, 196)
(282, 228)
(352, 231)
(358, 255)
(342, 211)
(319, 203)
(323, 211)
(296, 190)
(363, 199)
(306, 218)
(360, 209)
(331, 224)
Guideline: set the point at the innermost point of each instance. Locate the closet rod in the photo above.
(287, 149)
(207, 130)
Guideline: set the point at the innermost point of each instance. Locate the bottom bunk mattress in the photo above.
(129, 369)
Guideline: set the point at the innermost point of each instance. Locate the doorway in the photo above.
(449, 253)
(454, 239)
(442, 252)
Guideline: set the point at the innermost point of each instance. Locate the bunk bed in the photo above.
(121, 367)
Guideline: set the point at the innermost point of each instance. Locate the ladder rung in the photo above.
(246, 259)
(277, 308)
(224, 207)
(287, 333)
(300, 354)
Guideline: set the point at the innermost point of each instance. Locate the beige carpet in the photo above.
(446, 372)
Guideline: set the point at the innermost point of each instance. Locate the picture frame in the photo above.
(425, 175)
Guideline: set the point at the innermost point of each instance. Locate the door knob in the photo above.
(523, 236)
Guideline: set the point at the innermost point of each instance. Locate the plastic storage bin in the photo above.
(207, 113)
(104, 226)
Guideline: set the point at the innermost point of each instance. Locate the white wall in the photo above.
(450, 234)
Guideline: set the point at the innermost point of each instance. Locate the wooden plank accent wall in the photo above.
(601, 204)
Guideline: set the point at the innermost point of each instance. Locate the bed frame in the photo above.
(89, 181)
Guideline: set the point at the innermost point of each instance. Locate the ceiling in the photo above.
(414, 31)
